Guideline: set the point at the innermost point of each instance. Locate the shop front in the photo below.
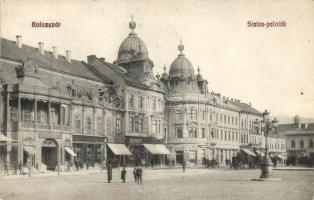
(118, 154)
(88, 149)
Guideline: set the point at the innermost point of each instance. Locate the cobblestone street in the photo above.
(163, 184)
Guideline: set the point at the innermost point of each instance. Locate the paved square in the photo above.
(164, 184)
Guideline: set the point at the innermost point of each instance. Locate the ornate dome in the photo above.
(181, 67)
(131, 46)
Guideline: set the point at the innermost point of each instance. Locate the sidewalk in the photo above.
(294, 168)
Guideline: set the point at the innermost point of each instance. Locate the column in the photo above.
(8, 124)
(19, 109)
(35, 111)
(93, 122)
(83, 119)
(48, 115)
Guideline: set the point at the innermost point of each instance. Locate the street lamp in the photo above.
(267, 126)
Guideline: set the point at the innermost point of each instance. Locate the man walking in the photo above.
(123, 175)
(183, 166)
(20, 167)
(134, 174)
(6, 168)
(139, 173)
(109, 172)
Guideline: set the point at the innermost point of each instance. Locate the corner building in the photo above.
(56, 108)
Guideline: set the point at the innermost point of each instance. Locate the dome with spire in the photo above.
(131, 46)
(181, 67)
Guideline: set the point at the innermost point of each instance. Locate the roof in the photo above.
(245, 107)
(282, 128)
(128, 77)
(9, 50)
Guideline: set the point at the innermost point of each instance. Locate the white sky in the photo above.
(268, 67)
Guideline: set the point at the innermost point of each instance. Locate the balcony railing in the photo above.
(43, 126)
(28, 125)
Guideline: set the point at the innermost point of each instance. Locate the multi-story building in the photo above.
(299, 141)
(56, 108)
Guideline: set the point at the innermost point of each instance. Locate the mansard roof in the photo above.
(9, 50)
(295, 128)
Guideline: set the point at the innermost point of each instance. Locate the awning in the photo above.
(29, 149)
(163, 149)
(261, 154)
(248, 152)
(70, 151)
(151, 148)
(157, 149)
(4, 138)
(119, 149)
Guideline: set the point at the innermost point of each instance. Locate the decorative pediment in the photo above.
(28, 68)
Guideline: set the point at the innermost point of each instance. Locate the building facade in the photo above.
(55, 108)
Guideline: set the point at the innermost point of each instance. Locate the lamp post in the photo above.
(267, 125)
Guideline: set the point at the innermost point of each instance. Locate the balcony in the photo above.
(187, 140)
(43, 126)
(28, 125)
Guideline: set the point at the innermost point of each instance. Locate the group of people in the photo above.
(19, 167)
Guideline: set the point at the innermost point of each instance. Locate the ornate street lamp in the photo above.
(267, 126)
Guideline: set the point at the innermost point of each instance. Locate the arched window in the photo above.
(292, 144)
(301, 144)
(311, 144)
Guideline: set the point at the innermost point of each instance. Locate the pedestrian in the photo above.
(134, 174)
(172, 162)
(123, 175)
(87, 164)
(29, 167)
(152, 162)
(139, 174)
(20, 167)
(76, 164)
(6, 168)
(183, 166)
(109, 172)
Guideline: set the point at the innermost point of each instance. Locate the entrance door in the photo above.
(49, 153)
(179, 157)
(49, 157)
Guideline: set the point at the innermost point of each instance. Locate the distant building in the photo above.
(300, 141)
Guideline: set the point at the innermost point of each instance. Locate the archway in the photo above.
(49, 153)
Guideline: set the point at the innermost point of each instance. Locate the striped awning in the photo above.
(157, 149)
(70, 151)
(119, 149)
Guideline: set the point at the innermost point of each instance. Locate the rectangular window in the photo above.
(179, 132)
(77, 122)
(140, 102)
(203, 115)
(221, 118)
(89, 123)
(226, 138)
(203, 132)
(210, 117)
(13, 114)
(118, 125)
(131, 124)
(140, 125)
(236, 121)
(154, 127)
(225, 119)
(194, 114)
(179, 116)
(190, 114)
(131, 101)
(228, 119)
(154, 104)
(193, 132)
(99, 125)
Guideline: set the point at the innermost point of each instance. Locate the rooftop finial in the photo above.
(164, 68)
(181, 47)
(198, 69)
(132, 24)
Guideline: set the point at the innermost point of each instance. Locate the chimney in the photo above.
(102, 59)
(41, 48)
(55, 51)
(91, 58)
(250, 104)
(231, 99)
(68, 55)
(228, 98)
(223, 97)
(19, 41)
